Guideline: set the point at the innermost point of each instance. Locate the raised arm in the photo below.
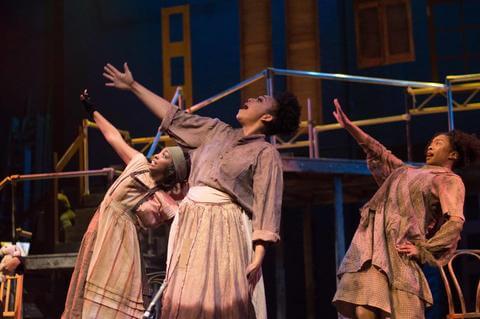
(110, 132)
(124, 81)
(188, 130)
(380, 160)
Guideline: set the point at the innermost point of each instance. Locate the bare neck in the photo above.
(253, 129)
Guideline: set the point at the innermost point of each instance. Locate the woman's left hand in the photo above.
(409, 249)
(254, 269)
(254, 272)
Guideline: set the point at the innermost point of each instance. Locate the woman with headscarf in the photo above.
(108, 280)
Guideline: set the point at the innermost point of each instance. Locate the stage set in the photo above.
(185, 184)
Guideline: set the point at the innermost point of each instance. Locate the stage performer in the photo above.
(415, 217)
(108, 280)
(232, 210)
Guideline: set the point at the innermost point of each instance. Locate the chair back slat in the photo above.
(12, 306)
(448, 290)
(7, 294)
(458, 289)
(2, 287)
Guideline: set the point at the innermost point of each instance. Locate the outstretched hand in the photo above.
(119, 80)
(85, 97)
(87, 103)
(339, 115)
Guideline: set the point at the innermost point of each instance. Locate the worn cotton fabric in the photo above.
(108, 279)
(206, 275)
(247, 168)
(412, 204)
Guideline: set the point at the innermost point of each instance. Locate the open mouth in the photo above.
(244, 107)
(429, 155)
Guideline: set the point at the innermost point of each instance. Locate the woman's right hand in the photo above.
(340, 116)
(119, 80)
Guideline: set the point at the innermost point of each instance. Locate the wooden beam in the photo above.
(255, 43)
(303, 53)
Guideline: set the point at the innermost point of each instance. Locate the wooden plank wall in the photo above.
(256, 42)
(303, 53)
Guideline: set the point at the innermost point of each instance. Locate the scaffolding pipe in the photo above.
(13, 211)
(159, 132)
(355, 78)
(463, 78)
(269, 86)
(13, 179)
(231, 90)
(443, 109)
(339, 221)
(43, 176)
(310, 128)
(451, 123)
(88, 123)
(378, 120)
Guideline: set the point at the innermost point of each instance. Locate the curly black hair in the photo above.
(286, 115)
(170, 179)
(467, 146)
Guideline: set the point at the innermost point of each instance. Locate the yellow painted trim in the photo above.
(177, 49)
(444, 109)
(455, 88)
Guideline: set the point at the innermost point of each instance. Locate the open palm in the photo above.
(119, 80)
(339, 115)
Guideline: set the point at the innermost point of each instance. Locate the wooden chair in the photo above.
(458, 291)
(11, 291)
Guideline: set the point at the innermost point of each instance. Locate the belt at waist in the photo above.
(207, 194)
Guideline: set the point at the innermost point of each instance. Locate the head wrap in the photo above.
(179, 162)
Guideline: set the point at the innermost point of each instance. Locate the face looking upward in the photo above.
(256, 111)
(160, 162)
(440, 152)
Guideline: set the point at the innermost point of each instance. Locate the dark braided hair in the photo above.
(286, 117)
(467, 146)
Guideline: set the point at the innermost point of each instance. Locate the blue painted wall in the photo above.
(96, 32)
(117, 31)
(338, 54)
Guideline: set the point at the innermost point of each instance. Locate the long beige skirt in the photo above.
(211, 248)
(370, 288)
(108, 279)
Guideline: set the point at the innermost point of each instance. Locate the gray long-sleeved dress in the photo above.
(212, 245)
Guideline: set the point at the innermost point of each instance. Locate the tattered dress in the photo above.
(412, 204)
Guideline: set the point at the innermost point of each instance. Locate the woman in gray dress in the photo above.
(232, 210)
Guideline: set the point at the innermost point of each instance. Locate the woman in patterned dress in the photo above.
(108, 280)
(232, 210)
(415, 217)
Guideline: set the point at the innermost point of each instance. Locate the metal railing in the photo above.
(80, 144)
(14, 179)
(306, 128)
(449, 81)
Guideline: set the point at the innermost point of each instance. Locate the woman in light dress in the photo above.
(109, 280)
